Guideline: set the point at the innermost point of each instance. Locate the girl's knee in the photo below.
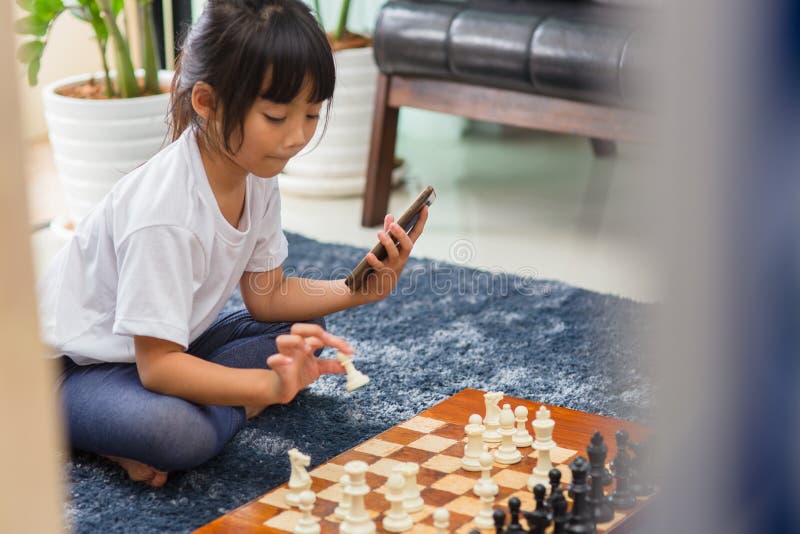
(182, 435)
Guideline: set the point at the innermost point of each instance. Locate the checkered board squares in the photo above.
(433, 444)
(435, 441)
(441, 480)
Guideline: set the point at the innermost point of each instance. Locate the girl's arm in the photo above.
(164, 368)
(270, 297)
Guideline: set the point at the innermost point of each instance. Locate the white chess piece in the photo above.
(474, 446)
(357, 520)
(484, 519)
(396, 519)
(344, 504)
(412, 501)
(299, 480)
(507, 452)
(486, 475)
(307, 524)
(543, 430)
(355, 378)
(492, 418)
(441, 520)
(522, 438)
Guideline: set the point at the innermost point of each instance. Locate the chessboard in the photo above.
(435, 440)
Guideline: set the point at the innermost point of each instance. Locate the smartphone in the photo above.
(406, 221)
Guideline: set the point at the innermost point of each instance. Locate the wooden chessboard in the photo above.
(435, 440)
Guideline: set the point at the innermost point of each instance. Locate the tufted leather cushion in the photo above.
(574, 50)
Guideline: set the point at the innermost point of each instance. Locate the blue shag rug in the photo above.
(446, 328)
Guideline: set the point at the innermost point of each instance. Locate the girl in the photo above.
(153, 378)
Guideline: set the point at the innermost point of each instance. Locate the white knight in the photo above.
(299, 480)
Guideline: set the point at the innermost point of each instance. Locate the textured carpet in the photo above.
(445, 329)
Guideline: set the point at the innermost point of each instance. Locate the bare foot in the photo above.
(140, 472)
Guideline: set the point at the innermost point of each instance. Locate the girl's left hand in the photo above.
(387, 272)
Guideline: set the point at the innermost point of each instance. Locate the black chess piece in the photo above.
(622, 498)
(538, 520)
(514, 527)
(560, 516)
(601, 508)
(499, 517)
(532, 527)
(640, 483)
(582, 520)
(555, 486)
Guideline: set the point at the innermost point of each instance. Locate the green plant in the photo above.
(341, 26)
(102, 16)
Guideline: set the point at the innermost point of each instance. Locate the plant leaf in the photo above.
(27, 5)
(29, 51)
(32, 25)
(48, 9)
(117, 6)
(33, 71)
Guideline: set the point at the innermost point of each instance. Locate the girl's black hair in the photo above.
(232, 46)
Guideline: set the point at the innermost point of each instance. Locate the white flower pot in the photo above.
(96, 142)
(336, 165)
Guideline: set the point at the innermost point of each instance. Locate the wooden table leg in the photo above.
(603, 148)
(381, 156)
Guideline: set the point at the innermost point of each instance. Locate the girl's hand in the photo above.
(295, 364)
(387, 272)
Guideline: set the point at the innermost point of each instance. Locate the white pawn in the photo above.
(355, 378)
(441, 520)
(486, 475)
(299, 480)
(412, 501)
(396, 519)
(485, 519)
(357, 520)
(543, 429)
(507, 452)
(474, 446)
(522, 437)
(492, 418)
(344, 504)
(307, 524)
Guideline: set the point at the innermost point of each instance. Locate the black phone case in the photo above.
(407, 221)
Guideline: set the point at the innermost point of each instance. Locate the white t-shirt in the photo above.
(156, 258)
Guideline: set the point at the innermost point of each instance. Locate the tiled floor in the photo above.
(523, 202)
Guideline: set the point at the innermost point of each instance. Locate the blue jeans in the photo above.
(108, 411)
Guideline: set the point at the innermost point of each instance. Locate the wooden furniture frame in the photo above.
(602, 124)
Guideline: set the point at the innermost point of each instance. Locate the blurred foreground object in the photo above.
(727, 201)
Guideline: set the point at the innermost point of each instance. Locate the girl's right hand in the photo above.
(295, 364)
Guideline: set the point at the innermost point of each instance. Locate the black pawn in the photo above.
(499, 517)
(514, 527)
(622, 498)
(601, 509)
(538, 520)
(555, 486)
(560, 516)
(582, 520)
(640, 482)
